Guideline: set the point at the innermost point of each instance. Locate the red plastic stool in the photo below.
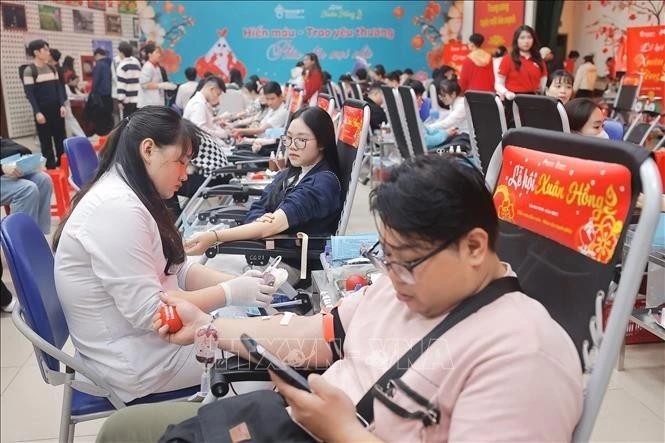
(101, 141)
(59, 177)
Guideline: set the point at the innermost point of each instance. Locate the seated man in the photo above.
(508, 372)
(29, 193)
(374, 98)
(275, 117)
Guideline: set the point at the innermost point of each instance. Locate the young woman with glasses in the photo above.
(305, 197)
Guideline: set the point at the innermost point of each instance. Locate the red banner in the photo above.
(497, 21)
(352, 124)
(454, 54)
(581, 204)
(646, 55)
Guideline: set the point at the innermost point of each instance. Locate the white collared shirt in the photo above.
(199, 112)
(109, 272)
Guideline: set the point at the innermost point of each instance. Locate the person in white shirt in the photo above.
(118, 250)
(186, 90)
(199, 107)
(128, 75)
(151, 80)
(455, 122)
(585, 78)
(275, 117)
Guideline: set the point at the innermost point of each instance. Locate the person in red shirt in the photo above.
(477, 69)
(313, 76)
(569, 63)
(523, 70)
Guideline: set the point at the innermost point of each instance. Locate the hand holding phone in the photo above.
(281, 369)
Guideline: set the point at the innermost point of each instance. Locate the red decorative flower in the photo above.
(417, 42)
(170, 60)
(398, 12)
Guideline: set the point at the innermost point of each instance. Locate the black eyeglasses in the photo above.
(298, 143)
(403, 270)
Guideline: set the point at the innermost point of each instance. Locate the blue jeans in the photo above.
(30, 194)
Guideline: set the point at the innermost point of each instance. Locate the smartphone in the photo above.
(284, 371)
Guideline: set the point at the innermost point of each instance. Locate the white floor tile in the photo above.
(15, 347)
(6, 377)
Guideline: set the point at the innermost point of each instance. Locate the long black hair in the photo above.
(321, 125)
(235, 76)
(579, 111)
(315, 59)
(122, 150)
(534, 51)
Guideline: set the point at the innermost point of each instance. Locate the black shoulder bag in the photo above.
(260, 416)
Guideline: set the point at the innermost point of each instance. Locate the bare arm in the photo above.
(200, 277)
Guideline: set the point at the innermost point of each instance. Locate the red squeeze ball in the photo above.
(169, 316)
(355, 282)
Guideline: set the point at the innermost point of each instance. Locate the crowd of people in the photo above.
(119, 256)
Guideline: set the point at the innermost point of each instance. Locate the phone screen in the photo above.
(284, 371)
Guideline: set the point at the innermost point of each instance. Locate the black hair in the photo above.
(361, 73)
(609, 59)
(122, 151)
(255, 78)
(573, 54)
(445, 69)
(190, 74)
(126, 49)
(436, 73)
(235, 76)
(416, 85)
(72, 89)
(457, 200)
(212, 79)
(477, 39)
(35, 45)
(55, 54)
(99, 51)
(535, 53)
(562, 74)
(588, 58)
(374, 86)
(408, 71)
(68, 63)
(380, 71)
(500, 51)
(579, 111)
(300, 64)
(394, 76)
(252, 87)
(446, 86)
(315, 59)
(272, 88)
(326, 76)
(149, 48)
(345, 78)
(321, 125)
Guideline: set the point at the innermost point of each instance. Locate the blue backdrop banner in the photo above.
(267, 38)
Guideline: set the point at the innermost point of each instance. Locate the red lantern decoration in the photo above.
(398, 12)
(417, 42)
(168, 7)
(181, 9)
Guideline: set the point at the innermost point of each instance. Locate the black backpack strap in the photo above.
(496, 289)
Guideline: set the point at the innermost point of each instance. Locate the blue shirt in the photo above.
(101, 77)
(425, 108)
(313, 206)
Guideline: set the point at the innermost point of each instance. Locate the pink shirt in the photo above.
(507, 373)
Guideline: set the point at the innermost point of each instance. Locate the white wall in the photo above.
(583, 21)
(20, 121)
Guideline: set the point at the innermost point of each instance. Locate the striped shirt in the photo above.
(44, 88)
(128, 73)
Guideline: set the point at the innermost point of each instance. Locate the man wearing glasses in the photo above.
(508, 372)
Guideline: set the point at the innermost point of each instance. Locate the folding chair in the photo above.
(540, 111)
(639, 130)
(434, 97)
(39, 317)
(626, 97)
(392, 99)
(564, 203)
(336, 93)
(351, 145)
(83, 161)
(356, 91)
(488, 124)
(416, 137)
